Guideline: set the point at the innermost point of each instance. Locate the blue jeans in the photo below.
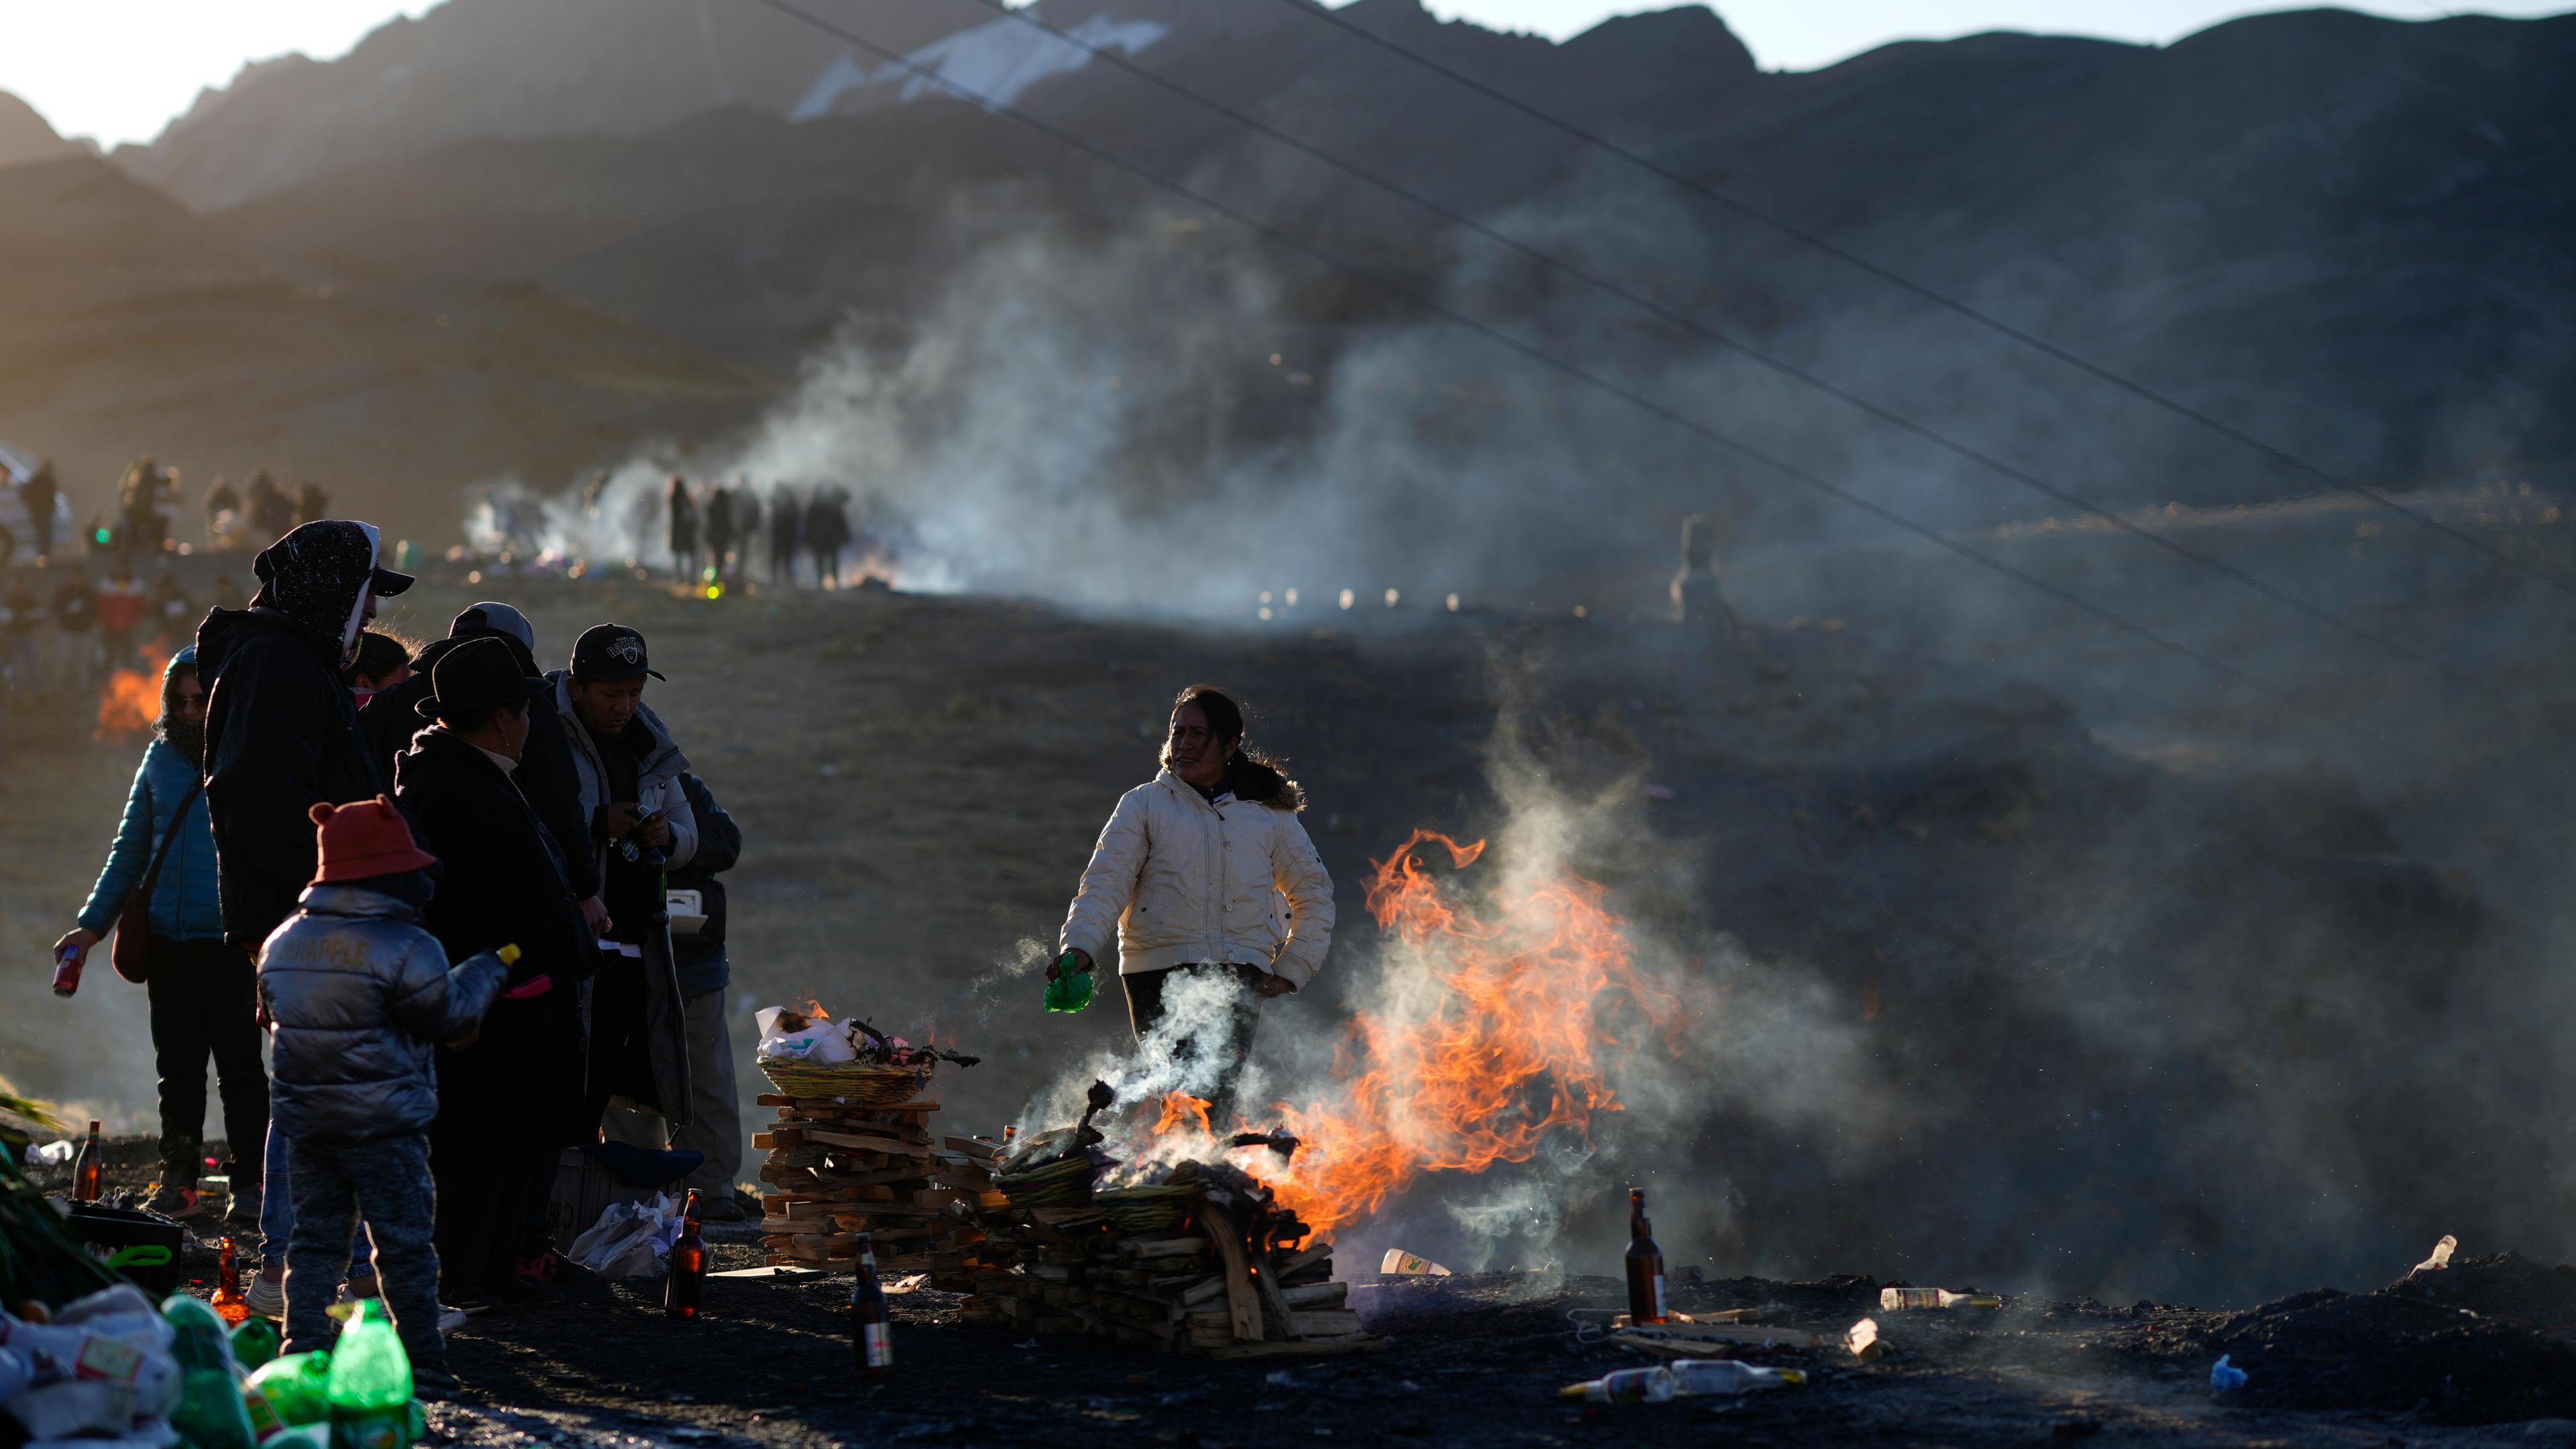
(385, 1182)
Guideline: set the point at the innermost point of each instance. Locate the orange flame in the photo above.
(1182, 1109)
(1509, 1049)
(130, 701)
(814, 1009)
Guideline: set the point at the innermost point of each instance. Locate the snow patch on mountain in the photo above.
(996, 62)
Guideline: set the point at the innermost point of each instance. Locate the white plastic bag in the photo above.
(817, 1041)
(630, 1240)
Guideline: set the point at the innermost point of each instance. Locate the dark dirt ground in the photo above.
(2484, 1353)
(1990, 897)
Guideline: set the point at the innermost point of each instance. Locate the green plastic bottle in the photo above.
(1069, 989)
(254, 1343)
(370, 1384)
(295, 1388)
(210, 1413)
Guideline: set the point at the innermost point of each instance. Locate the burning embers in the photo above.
(1498, 1025)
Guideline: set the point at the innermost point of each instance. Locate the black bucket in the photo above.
(144, 1246)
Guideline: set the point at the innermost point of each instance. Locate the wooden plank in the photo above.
(1163, 1247)
(1317, 1295)
(886, 1146)
(1242, 1301)
(972, 1147)
(1319, 1248)
(782, 1138)
(1324, 1322)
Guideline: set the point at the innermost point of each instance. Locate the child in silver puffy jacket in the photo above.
(359, 998)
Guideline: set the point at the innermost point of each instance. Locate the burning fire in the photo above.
(130, 701)
(1510, 1048)
(1180, 1109)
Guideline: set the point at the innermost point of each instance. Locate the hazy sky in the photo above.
(118, 69)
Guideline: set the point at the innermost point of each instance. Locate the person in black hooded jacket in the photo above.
(281, 730)
(512, 1099)
(545, 774)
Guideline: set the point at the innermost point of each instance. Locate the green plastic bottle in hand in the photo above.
(370, 1385)
(1068, 984)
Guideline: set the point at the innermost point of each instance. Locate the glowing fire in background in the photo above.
(130, 701)
(1532, 991)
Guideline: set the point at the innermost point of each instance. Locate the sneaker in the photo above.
(177, 1202)
(433, 1385)
(243, 1210)
(449, 1320)
(265, 1295)
(725, 1209)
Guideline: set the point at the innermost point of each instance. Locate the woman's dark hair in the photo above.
(379, 654)
(1252, 774)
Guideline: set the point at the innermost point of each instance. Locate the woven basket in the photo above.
(1145, 1209)
(1058, 1184)
(854, 1082)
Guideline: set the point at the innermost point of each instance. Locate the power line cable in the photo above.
(1111, 56)
(1534, 353)
(2273, 452)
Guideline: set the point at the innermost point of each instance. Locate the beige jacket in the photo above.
(1179, 881)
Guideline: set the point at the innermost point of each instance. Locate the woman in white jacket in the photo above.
(1204, 870)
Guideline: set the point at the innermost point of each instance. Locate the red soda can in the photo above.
(67, 970)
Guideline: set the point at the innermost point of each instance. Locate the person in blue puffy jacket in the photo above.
(200, 989)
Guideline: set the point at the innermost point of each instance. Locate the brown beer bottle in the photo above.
(228, 1302)
(688, 1277)
(88, 1167)
(871, 1326)
(1645, 1265)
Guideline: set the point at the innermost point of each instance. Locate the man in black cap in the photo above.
(281, 730)
(640, 826)
(513, 1099)
(545, 774)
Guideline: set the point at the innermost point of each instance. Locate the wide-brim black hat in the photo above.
(477, 674)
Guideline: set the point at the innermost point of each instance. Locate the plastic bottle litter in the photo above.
(369, 1388)
(1894, 1300)
(1685, 1378)
(299, 1436)
(1069, 986)
(2441, 1258)
(254, 1343)
(1711, 1376)
(2225, 1376)
(1627, 1386)
(1399, 1263)
(211, 1414)
(294, 1389)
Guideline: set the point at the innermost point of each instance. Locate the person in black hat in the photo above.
(281, 730)
(545, 773)
(511, 1100)
(640, 826)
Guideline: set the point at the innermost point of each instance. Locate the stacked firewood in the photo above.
(837, 1169)
(1195, 1257)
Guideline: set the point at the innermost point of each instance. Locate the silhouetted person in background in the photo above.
(312, 504)
(75, 611)
(169, 615)
(827, 533)
(39, 494)
(746, 524)
(21, 652)
(272, 513)
(223, 516)
(683, 527)
(121, 608)
(784, 522)
(140, 498)
(720, 529)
